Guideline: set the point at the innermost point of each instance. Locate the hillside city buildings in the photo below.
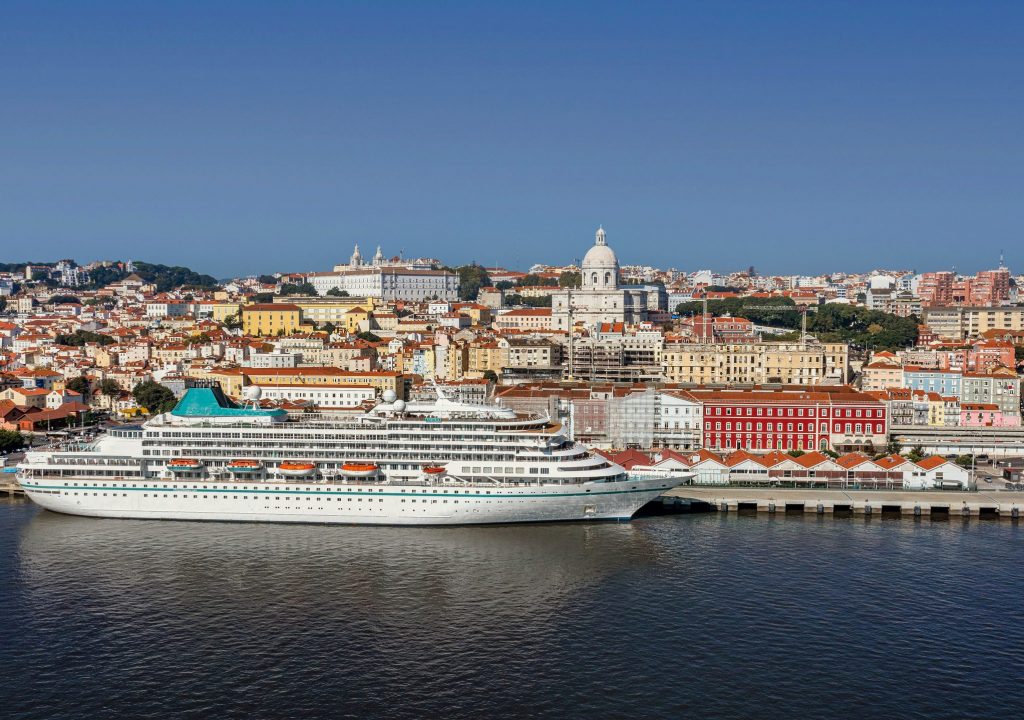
(601, 346)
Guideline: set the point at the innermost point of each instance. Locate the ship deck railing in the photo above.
(334, 420)
(94, 461)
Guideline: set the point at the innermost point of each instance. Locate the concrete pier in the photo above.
(871, 503)
(10, 487)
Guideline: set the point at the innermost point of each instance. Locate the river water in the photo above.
(666, 617)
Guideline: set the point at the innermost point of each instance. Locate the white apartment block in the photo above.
(390, 283)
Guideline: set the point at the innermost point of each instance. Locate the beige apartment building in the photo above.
(960, 323)
(738, 363)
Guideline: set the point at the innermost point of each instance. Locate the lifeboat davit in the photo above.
(182, 464)
(359, 469)
(434, 470)
(296, 469)
(244, 466)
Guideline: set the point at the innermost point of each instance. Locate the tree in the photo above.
(298, 289)
(11, 440)
(168, 277)
(965, 461)
(263, 298)
(570, 279)
(154, 397)
(1018, 353)
(200, 339)
(267, 280)
(776, 312)
(830, 323)
(537, 302)
(795, 453)
(79, 385)
(368, 336)
(916, 454)
(110, 387)
(471, 279)
(893, 447)
(232, 322)
(491, 376)
(533, 280)
(337, 292)
(80, 337)
(104, 275)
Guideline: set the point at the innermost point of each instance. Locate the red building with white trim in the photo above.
(837, 418)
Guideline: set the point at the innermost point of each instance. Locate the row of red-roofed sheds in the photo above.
(853, 470)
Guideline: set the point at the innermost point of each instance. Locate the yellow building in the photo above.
(479, 314)
(356, 319)
(221, 311)
(486, 355)
(382, 381)
(232, 380)
(319, 311)
(263, 319)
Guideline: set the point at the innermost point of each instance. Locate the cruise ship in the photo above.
(419, 463)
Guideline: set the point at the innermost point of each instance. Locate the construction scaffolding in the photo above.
(632, 419)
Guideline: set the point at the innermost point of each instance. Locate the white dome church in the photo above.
(600, 299)
(600, 267)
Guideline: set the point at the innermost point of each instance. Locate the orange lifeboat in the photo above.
(359, 469)
(296, 469)
(434, 470)
(182, 464)
(244, 466)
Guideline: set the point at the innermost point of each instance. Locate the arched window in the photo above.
(593, 279)
(607, 278)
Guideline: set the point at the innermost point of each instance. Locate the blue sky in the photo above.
(250, 137)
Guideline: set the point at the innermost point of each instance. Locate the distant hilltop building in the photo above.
(388, 279)
(600, 299)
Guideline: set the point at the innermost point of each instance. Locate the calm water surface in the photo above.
(682, 616)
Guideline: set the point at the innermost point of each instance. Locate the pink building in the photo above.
(986, 415)
(987, 354)
(990, 287)
(936, 288)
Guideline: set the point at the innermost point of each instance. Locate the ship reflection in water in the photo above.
(415, 579)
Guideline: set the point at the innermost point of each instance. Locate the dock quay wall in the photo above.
(1003, 505)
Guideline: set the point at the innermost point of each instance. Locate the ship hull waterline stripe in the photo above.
(336, 493)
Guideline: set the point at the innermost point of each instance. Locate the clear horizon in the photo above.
(244, 138)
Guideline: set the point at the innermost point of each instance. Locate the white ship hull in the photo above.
(341, 503)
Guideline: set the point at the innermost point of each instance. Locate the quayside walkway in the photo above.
(917, 503)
